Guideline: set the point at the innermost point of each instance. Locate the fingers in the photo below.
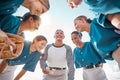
(116, 20)
(118, 45)
(11, 43)
(45, 71)
(14, 54)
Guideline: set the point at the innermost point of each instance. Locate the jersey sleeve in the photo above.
(10, 24)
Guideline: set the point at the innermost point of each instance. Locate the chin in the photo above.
(32, 30)
(80, 1)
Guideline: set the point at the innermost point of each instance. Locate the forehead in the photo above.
(74, 34)
(76, 20)
(45, 3)
(59, 31)
(79, 18)
(43, 9)
(41, 41)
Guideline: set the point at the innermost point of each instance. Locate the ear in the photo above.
(30, 19)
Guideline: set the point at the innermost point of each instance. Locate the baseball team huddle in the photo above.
(104, 44)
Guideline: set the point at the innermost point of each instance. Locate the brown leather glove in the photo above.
(10, 46)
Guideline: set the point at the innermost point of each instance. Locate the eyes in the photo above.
(43, 44)
(74, 38)
(59, 33)
(39, 11)
(37, 23)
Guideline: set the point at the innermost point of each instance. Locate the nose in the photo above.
(36, 28)
(71, 5)
(38, 13)
(76, 26)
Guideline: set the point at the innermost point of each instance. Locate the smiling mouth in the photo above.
(35, 28)
(59, 37)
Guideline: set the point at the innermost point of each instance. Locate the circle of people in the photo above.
(104, 32)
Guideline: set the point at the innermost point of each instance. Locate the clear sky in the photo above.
(60, 16)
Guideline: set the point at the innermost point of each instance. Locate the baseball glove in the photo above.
(7, 51)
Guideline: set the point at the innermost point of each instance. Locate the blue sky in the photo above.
(61, 11)
(60, 16)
